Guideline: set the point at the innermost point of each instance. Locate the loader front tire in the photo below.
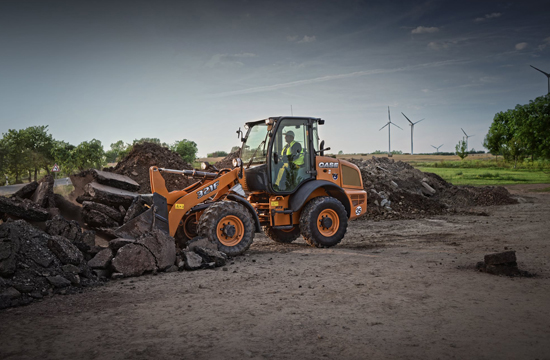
(282, 236)
(323, 222)
(229, 225)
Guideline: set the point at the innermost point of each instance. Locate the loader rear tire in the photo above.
(282, 236)
(323, 222)
(229, 225)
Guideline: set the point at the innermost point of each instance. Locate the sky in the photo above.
(198, 70)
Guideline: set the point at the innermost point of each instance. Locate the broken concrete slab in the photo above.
(26, 191)
(23, 208)
(65, 250)
(427, 189)
(133, 260)
(117, 243)
(115, 180)
(192, 261)
(96, 219)
(9, 247)
(43, 195)
(212, 256)
(104, 209)
(102, 260)
(505, 257)
(136, 208)
(162, 246)
(109, 195)
(58, 281)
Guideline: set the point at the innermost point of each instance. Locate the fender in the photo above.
(298, 199)
(250, 208)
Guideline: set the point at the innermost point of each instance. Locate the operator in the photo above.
(293, 159)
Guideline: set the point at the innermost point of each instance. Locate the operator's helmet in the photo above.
(289, 133)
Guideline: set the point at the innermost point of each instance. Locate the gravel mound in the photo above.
(396, 190)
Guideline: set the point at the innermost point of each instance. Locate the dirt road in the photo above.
(391, 290)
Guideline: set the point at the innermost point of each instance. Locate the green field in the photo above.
(489, 176)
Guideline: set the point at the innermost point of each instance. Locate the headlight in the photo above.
(237, 162)
(204, 165)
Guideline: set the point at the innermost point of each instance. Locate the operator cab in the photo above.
(279, 153)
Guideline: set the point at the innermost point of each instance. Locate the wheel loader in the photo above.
(282, 184)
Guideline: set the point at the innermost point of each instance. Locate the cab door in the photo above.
(290, 160)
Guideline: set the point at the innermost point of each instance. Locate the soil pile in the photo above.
(137, 163)
(396, 190)
(227, 162)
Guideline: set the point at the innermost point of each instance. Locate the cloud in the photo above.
(337, 77)
(488, 16)
(305, 39)
(424, 30)
(228, 60)
(444, 44)
(521, 45)
(545, 43)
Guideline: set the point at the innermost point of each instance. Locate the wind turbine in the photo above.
(389, 131)
(437, 147)
(545, 73)
(412, 129)
(467, 136)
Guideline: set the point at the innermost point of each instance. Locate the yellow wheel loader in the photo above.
(282, 183)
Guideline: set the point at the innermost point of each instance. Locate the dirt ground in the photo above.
(404, 289)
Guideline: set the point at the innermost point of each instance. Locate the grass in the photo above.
(488, 176)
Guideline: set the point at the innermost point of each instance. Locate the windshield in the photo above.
(254, 149)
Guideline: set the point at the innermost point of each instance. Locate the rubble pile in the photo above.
(137, 163)
(36, 263)
(396, 190)
(105, 197)
(227, 162)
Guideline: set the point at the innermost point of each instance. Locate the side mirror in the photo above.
(240, 134)
(322, 150)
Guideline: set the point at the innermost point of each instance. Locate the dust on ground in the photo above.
(393, 289)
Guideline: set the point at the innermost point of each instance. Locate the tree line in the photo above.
(26, 152)
(521, 132)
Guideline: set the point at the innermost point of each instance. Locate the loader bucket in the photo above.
(155, 217)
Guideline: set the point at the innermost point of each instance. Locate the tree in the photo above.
(186, 149)
(16, 155)
(340, 152)
(522, 131)
(89, 154)
(40, 145)
(64, 156)
(218, 153)
(150, 140)
(461, 149)
(118, 151)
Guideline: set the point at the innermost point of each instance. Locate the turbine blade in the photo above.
(396, 125)
(545, 73)
(389, 118)
(433, 146)
(463, 131)
(418, 121)
(441, 145)
(407, 118)
(384, 126)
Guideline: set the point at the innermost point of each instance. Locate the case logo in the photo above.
(207, 190)
(328, 164)
(358, 210)
(334, 177)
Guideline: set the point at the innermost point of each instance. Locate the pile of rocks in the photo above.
(137, 163)
(106, 198)
(36, 263)
(396, 190)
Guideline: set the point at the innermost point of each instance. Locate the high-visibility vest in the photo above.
(288, 149)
